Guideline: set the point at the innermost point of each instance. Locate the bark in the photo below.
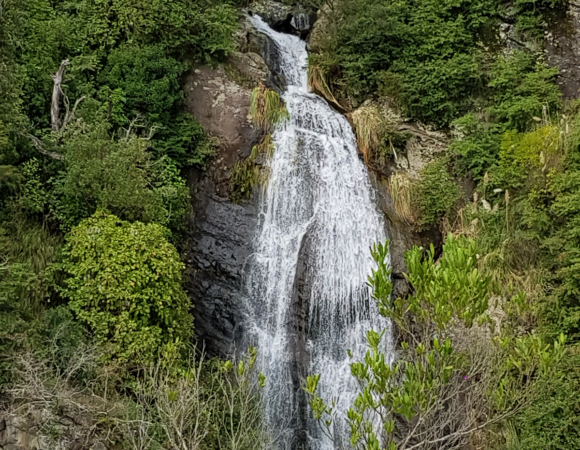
(56, 94)
(38, 144)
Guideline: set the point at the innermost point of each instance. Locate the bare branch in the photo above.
(38, 144)
(71, 114)
(56, 93)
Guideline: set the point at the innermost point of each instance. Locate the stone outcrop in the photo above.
(221, 232)
(285, 18)
(563, 50)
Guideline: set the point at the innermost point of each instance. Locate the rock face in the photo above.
(221, 232)
(284, 18)
(563, 51)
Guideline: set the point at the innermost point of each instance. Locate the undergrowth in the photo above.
(252, 171)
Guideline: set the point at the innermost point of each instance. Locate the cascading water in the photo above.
(307, 300)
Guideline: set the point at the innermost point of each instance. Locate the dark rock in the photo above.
(220, 242)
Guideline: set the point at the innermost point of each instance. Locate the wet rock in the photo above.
(221, 232)
(284, 18)
(219, 244)
(277, 15)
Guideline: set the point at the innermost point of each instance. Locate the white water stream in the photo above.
(319, 205)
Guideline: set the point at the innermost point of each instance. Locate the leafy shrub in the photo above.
(427, 48)
(522, 88)
(120, 176)
(448, 369)
(477, 147)
(202, 28)
(435, 194)
(184, 141)
(148, 79)
(552, 421)
(124, 282)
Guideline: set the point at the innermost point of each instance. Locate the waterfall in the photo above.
(307, 297)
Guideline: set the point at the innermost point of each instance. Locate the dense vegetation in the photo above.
(448, 65)
(93, 205)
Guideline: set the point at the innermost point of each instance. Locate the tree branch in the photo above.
(38, 144)
(56, 93)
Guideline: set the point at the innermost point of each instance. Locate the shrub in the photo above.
(451, 378)
(435, 194)
(522, 89)
(118, 175)
(148, 79)
(124, 282)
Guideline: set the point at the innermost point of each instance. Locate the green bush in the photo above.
(522, 88)
(429, 45)
(552, 421)
(124, 282)
(448, 369)
(148, 80)
(476, 149)
(434, 194)
(117, 175)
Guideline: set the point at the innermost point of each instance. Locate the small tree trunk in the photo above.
(56, 93)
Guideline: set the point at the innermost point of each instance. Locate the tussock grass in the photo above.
(317, 81)
(401, 188)
(247, 174)
(267, 108)
(370, 129)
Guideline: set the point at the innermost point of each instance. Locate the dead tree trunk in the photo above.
(56, 93)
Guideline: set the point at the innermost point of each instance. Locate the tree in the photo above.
(452, 376)
(124, 282)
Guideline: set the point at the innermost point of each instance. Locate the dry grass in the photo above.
(400, 186)
(267, 108)
(317, 82)
(370, 129)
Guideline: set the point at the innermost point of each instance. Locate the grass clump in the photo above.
(247, 174)
(370, 129)
(267, 108)
(401, 188)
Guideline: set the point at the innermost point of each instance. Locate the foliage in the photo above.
(267, 108)
(198, 403)
(247, 174)
(184, 141)
(522, 89)
(435, 194)
(118, 175)
(124, 282)
(476, 147)
(442, 388)
(553, 421)
(148, 81)
(429, 45)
